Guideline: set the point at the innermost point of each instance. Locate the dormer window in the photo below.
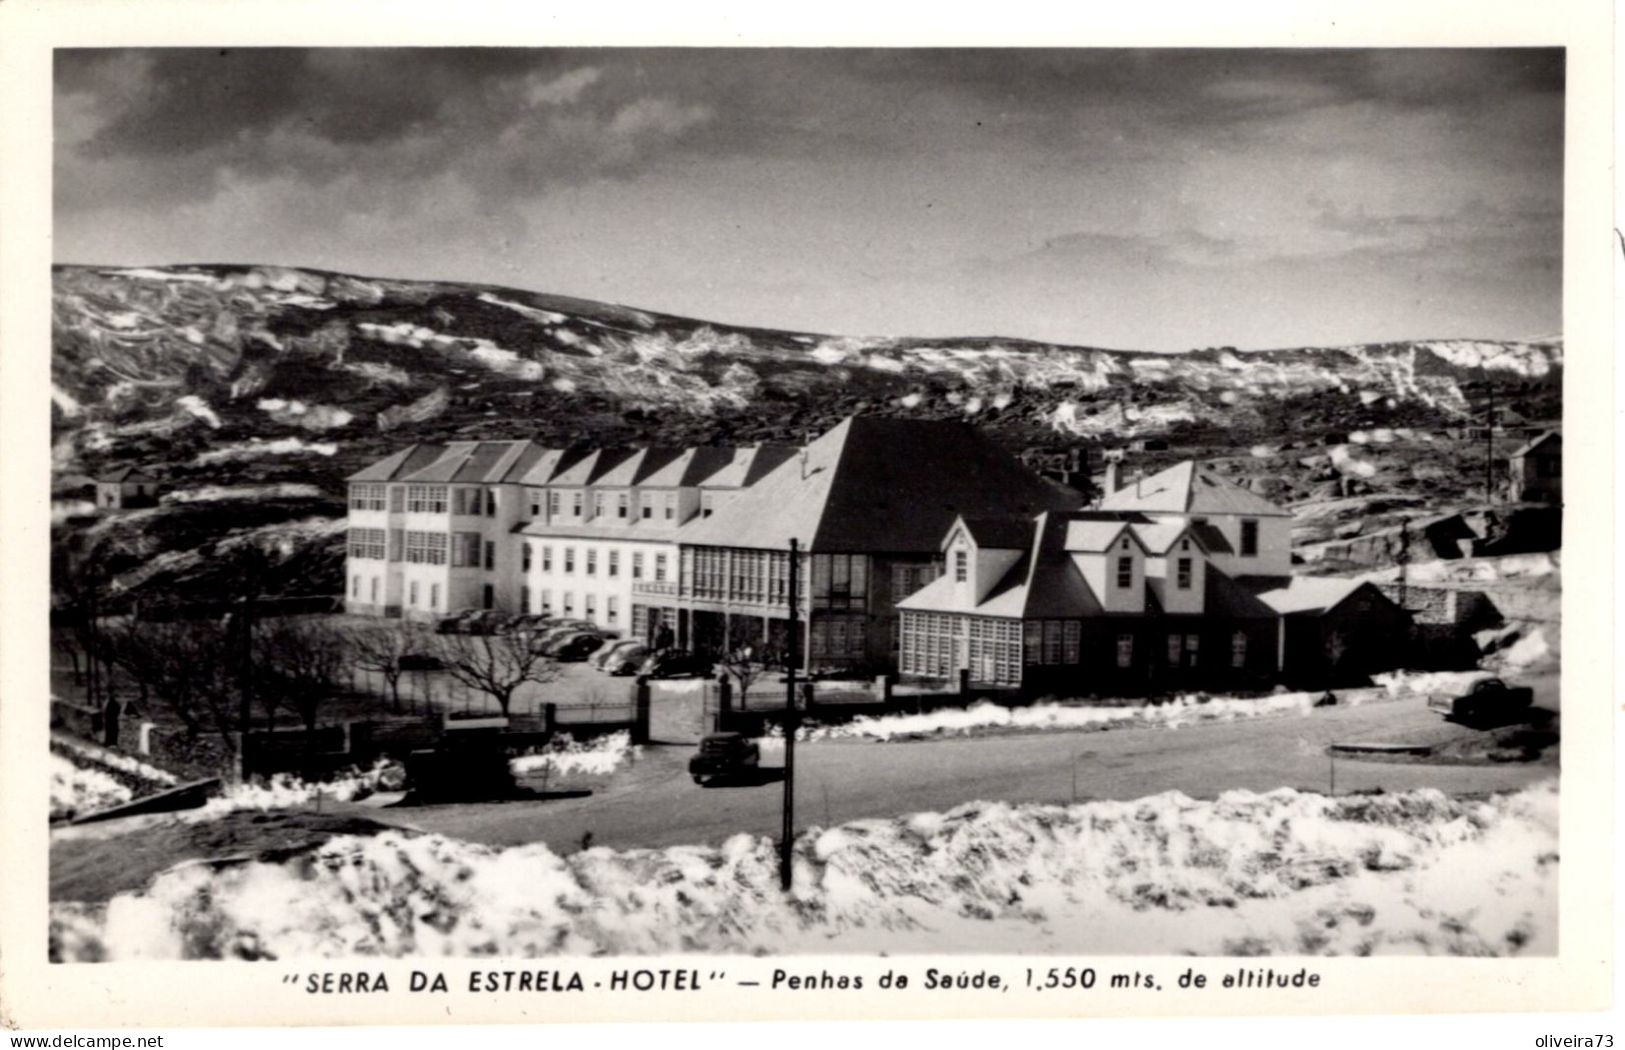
(961, 566)
(622, 504)
(1183, 573)
(1125, 571)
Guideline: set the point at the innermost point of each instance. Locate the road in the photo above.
(652, 802)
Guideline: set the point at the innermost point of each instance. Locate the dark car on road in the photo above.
(453, 624)
(675, 663)
(1486, 700)
(723, 755)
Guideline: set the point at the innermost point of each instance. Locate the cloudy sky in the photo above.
(1141, 199)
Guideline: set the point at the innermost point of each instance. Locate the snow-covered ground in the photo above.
(91, 754)
(79, 789)
(565, 756)
(254, 448)
(286, 791)
(1285, 872)
(1478, 570)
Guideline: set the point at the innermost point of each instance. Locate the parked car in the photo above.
(485, 621)
(556, 629)
(453, 624)
(1488, 699)
(675, 663)
(621, 658)
(525, 623)
(724, 755)
(575, 646)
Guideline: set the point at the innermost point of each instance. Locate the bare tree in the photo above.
(493, 664)
(387, 650)
(298, 661)
(185, 666)
(747, 659)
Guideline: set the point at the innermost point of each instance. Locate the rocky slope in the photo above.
(246, 376)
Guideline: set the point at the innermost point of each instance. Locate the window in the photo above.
(490, 503)
(1125, 572)
(907, 579)
(1249, 538)
(362, 497)
(612, 610)
(547, 601)
(961, 566)
(524, 598)
(1052, 641)
(570, 560)
(614, 563)
(660, 567)
(1238, 649)
(1192, 641)
(623, 504)
(575, 504)
(535, 503)
(590, 606)
(569, 603)
(547, 557)
(524, 558)
(671, 505)
(367, 543)
(413, 594)
(840, 581)
(426, 548)
(465, 550)
(434, 596)
(459, 504)
(355, 586)
(1125, 650)
(637, 563)
(1176, 648)
(592, 561)
(426, 499)
(597, 504)
(1071, 636)
(488, 597)
(930, 643)
(552, 504)
(490, 555)
(1184, 574)
(648, 510)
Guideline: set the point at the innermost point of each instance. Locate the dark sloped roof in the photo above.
(127, 474)
(1225, 597)
(880, 485)
(412, 458)
(1006, 533)
(1537, 442)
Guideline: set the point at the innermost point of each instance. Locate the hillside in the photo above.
(226, 379)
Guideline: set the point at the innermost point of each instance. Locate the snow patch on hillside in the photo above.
(217, 493)
(254, 448)
(1285, 872)
(196, 406)
(299, 414)
(538, 315)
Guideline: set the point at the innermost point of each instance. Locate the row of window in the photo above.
(567, 605)
(368, 543)
(937, 645)
(730, 574)
(837, 637)
(612, 561)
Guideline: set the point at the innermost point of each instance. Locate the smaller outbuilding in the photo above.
(1537, 470)
(126, 489)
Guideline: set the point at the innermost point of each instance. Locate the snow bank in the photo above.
(196, 406)
(1285, 872)
(91, 754)
(1425, 683)
(565, 756)
(286, 791)
(78, 789)
(1180, 711)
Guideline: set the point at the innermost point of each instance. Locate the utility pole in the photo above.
(1404, 562)
(787, 834)
(1489, 442)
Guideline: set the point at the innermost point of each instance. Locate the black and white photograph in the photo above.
(780, 504)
